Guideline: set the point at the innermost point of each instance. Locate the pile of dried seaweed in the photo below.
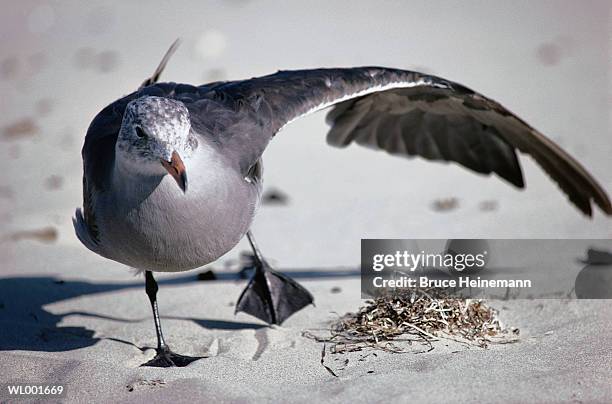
(422, 315)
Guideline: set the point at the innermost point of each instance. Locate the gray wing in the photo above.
(98, 155)
(412, 114)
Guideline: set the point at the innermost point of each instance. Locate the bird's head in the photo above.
(156, 137)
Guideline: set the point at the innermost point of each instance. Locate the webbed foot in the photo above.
(271, 296)
(165, 358)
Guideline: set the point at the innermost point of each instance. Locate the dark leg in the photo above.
(152, 288)
(165, 357)
(270, 295)
(258, 256)
(248, 265)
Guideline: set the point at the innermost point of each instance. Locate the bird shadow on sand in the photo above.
(220, 324)
(25, 323)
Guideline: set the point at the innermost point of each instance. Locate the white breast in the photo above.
(155, 226)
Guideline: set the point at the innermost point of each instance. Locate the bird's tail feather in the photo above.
(82, 231)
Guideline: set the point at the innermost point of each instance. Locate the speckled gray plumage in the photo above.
(157, 117)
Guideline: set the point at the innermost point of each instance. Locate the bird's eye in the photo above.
(140, 132)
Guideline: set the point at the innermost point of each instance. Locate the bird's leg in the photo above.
(152, 288)
(256, 252)
(270, 295)
(165, 357)
(247, 261)
(255, 259)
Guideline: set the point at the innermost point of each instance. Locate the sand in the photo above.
(69, 317)
(92, 335)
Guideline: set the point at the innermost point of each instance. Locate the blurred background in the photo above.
(62, 61)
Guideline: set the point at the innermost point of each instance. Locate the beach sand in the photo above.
(91, 335)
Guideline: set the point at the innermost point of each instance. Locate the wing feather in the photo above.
(412, 114)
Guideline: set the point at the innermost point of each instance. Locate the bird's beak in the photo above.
(176, 169)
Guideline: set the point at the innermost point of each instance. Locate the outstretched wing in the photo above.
(413, 114)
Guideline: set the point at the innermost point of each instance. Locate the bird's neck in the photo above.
(134, 178)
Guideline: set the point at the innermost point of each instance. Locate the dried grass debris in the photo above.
(418, 316)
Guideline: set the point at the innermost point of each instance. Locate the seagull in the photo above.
(172, 173)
